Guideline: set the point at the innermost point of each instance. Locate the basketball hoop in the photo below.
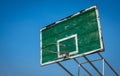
(66, 55)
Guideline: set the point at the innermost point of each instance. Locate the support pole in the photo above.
(93, 65)
(103, 66)
(108, 64)
(78, 70)
(82, 66)
(65, 69)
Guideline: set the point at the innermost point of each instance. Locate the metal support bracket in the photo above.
(65, 69)
(82, 67)
(93, 66)
(108, 64)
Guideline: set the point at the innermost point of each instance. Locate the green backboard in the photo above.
(74, 36)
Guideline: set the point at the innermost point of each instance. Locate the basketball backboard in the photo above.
(74, 36)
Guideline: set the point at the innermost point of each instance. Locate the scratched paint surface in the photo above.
(85, 25)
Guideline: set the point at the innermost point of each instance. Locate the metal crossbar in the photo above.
(91, 61)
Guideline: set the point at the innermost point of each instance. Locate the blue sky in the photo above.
(21, 20)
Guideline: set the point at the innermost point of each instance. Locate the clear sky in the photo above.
(20, 23)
